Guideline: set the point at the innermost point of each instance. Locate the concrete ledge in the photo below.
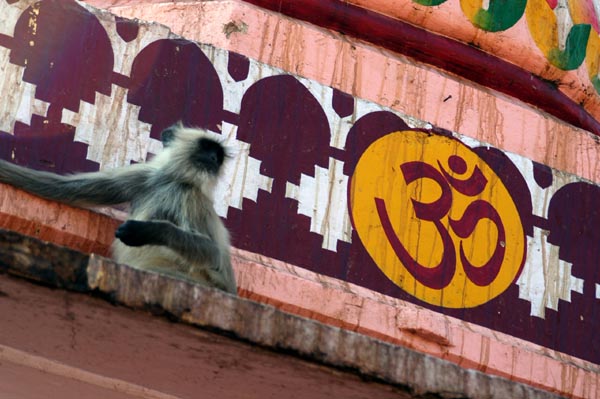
(250, 321)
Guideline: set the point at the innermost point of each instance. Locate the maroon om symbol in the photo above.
(441, 275)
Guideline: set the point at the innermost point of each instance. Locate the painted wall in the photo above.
(557, 40)
(321, 178)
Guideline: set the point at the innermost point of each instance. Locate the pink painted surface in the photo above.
(57, 344)
(79, 229)
(381, 77)
(346, 305)
(514, 44)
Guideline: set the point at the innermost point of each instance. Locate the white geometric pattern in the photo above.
(540, 197)
(241, 176)
(18, 98)
(9, 15)
(545, 278)
(112, 131)
(339, 127)
(233, 91)
(125, 52)
(323, 198)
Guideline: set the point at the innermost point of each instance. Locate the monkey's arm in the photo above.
(202, 253)
(196, 246)
(95, 188)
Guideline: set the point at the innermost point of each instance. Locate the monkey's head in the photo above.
(190, 155)
(209, 155)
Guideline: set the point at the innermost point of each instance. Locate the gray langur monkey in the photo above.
(172, 227)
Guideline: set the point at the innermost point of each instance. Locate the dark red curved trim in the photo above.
(442, 52)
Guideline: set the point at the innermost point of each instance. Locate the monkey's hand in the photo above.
(136, 233)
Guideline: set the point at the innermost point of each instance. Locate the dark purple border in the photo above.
(450, 55)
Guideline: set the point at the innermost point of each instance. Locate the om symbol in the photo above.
(436, 219)
(441, 275)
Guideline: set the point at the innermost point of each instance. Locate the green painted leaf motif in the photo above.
(501, 15)
(429, 2)
(596, 83)
(575, 49)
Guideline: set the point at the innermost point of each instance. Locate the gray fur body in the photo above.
(172, 227)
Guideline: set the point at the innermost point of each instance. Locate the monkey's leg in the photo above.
(192, 245)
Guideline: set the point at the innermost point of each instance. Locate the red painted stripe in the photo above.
(447, 54)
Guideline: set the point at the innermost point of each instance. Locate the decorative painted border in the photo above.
(380, 77)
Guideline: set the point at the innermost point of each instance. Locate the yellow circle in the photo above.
(465, 209)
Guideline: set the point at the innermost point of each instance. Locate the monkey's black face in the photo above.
(209, 155)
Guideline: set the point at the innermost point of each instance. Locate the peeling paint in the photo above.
(234, 27)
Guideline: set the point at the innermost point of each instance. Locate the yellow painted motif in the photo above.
(542, 24)
(566, 54)
(436, 219)
(470, 8)
(592, 59)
